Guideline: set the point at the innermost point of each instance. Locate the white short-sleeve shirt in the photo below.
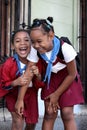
(68, 51)
(32, 56)
(69, 54)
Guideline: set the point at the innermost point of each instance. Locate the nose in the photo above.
(36, 45)
(22, 42)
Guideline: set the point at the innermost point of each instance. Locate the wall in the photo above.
(65, 14)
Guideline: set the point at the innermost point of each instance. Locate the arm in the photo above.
(19, 106)
(9, 81)
(38, 71)
(29, 75)
(71, 68)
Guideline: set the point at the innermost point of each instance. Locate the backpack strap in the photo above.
(60, 54)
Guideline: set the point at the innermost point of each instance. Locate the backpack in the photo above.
(60, 54)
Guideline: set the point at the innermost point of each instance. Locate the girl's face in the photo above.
(22, 44)
(41, 41)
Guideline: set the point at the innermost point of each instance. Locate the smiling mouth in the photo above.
(23, 50)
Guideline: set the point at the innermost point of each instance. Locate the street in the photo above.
(80, 112)
(81, 121)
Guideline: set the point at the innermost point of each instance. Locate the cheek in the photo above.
(29, 46)
(46, 45)
(16, 47)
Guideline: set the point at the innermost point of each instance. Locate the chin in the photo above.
(42, 52)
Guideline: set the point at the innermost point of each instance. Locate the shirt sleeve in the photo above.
(32, 56)
(69, 52)
(8, 73)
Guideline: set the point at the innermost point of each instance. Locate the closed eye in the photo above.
(27, 40)
(17, 41)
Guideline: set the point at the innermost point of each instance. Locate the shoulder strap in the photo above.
(60, 54)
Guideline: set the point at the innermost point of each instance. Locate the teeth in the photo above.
(23, 48)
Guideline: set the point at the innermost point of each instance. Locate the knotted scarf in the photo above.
(55, 50)
(20, 70)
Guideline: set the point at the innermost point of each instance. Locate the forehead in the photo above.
(37, 31)
(22, 33)
(36, 35)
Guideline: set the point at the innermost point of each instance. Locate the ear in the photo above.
(51, 35)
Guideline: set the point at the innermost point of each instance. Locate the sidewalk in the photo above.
(78, 110)
(80, 117)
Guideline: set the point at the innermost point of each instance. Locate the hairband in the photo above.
(48, 22)
(24, 25)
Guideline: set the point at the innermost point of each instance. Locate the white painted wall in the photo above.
(65, 14)
(66, 19)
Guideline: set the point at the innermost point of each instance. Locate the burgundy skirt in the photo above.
(30, 104)
(72, 96)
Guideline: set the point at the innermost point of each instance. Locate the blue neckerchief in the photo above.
(20, 70)
(55, 51)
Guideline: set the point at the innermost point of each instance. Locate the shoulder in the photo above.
(9, 68)
(69, 52)
(32, 56)
(10, 62)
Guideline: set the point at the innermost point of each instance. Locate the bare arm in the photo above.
(32, 69)
(29, 75)
(19, 106)
(71, 67)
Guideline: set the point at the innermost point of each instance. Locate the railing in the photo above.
(12, 14)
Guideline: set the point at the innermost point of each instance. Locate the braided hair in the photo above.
(45, 24)
(16, 31)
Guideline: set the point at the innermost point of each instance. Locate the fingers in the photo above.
(35, 70)
(19, 111)
(19, 107)
(54, 106)
(25, 81)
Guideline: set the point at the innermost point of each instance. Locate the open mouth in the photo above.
(23, 50)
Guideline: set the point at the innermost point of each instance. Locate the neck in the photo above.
(24, 60)
(51, 47)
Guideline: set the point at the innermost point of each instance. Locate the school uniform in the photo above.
(10, 69)
(74, 94)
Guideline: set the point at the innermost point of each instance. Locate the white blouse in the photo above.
(68, 51)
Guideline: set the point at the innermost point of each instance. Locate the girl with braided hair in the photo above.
(13, 78)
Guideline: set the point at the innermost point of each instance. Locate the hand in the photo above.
(36, 71)
(19, 107)
(53, 102)
(21, 81)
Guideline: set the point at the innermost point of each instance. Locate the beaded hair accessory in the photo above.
(22, 26)
(44, 22)
(48, 22)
